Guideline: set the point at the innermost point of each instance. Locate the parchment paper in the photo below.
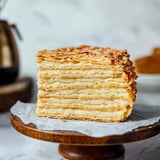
(142, 115)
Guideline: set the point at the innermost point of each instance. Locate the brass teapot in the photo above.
(9, 59)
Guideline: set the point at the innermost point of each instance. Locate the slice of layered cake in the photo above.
(85, 83)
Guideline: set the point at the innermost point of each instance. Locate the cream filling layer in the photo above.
(78, 101)
(86, 91)
(80, 112)
(80, 72)
(75, 65)
(81, 85)
(85, 96)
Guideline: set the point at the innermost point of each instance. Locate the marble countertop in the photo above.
(15, 146)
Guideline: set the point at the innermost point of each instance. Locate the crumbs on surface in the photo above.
(64, 120)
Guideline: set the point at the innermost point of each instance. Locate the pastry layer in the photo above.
(115, 116)
(86, 83)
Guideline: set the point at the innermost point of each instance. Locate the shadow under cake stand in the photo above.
(77, 146)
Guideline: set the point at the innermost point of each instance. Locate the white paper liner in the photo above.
(142, 115)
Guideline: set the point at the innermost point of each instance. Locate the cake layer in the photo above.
(79, 86)
(67, 81)
(80, 101)
(106, 108)
(45, 65)
(82, 115)
(108, 96)
(86, 91)
(79, 74)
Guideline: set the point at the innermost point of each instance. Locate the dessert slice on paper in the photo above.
(85, 83)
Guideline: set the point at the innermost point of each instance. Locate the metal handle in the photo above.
(17, 31)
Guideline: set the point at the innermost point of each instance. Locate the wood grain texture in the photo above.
(19, 90)
(79, 138)
(75, 152)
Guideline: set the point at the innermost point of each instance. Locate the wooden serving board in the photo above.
(10, 93)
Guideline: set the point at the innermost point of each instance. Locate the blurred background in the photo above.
(49, 24)
(121, 24)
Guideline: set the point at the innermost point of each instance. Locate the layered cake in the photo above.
(85, 83)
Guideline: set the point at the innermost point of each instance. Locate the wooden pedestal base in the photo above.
(77, 152)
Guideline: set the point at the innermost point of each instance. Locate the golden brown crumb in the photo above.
(64, 120)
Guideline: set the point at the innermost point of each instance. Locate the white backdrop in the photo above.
(48, 24)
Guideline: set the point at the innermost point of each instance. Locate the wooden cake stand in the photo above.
(77, 146)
